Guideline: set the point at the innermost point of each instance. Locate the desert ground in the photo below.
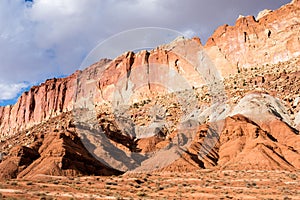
(202, 184)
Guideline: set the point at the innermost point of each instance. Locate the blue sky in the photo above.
(42, 39)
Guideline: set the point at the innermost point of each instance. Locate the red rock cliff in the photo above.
(43, 102)
(270, 38)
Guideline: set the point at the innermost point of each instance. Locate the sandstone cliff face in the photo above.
(145, 72)
(272, 38)
(39, 103)
(45, 101)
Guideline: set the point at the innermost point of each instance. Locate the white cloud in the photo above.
(10, 91)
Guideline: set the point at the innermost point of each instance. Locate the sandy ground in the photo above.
(203, 184)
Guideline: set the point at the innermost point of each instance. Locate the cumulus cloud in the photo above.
(49, 38)
(10, 91)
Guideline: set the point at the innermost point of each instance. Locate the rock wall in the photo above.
(39, 103)
(45, 101)
(270, 38)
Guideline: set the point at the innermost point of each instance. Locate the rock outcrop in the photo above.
(56, 150)
(43, 102)
(19, 158)
(246, 145)
(269, 39)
